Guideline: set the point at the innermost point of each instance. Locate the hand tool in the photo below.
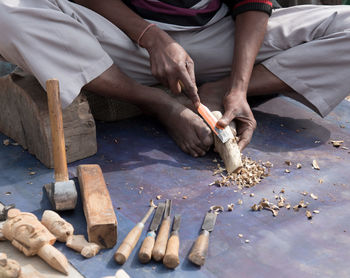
(145, 253)
(229, 151)
(99, 213)
(223, 134)
(129, 242)
(200, 248)
(171, 257)
(62, 193)
(163, 234)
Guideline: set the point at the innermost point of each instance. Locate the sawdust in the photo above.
(248, 176)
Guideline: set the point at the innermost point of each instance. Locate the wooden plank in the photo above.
(98, 209)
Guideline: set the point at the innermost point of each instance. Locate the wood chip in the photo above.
(296, 208)
(299, 165)
(337, 143)
(240, 202)
(184, 197)
(217, 209)
(247, 241)
(230, 207)
(316, 211)
(282, 191)
(315, 165)
(304, 193)
(251, 195)
(159, 197)
(308, 214)
(240, 235)
(287, 171)
(320, 180)
(313, 196)
(6, 142)
(287, 206)
(32, 173)
(289, 163)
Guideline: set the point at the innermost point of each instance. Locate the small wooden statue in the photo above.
(59, 227)
(9, 268)
(28, 235)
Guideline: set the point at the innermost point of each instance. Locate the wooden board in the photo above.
(98, 209)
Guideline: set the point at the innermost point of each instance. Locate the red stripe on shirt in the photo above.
(244, 2)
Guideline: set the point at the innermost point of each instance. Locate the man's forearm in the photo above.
(120, 15)
(250, 28)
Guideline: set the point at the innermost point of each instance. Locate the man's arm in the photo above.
(169, 61)
(250, 28)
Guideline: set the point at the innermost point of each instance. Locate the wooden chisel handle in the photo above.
(56, 122)
(146, 249)
(171, 257)
(128, 244)
(162, 240)
(200, 249)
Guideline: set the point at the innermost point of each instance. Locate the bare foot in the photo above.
(188, 130)
(212, 94)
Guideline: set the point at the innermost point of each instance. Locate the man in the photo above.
(119, 50)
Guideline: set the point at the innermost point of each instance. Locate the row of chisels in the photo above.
(161, 247)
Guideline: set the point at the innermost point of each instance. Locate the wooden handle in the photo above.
(146, 249)
(128, 244)
(162, 240)
(56, 122)
(200, 249)
(171, 257)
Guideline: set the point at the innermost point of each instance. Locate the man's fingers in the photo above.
(245, 138)
(226, 119)
(188, 82)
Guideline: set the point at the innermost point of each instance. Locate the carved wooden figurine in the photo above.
(80, 244)
(229, 151)
(59, 227)
(29, 236)
(9, 268)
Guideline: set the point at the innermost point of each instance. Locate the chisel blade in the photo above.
(176, 223)
(223, 134)
(167, 210)
(157, 218)
(209, 221)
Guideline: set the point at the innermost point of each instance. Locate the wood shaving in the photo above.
(265, 204)
(313, 196)
(184, 197)
(282, 191)
(316, 211)
(240, 235)
(287, 171)
(247, 241)
(337, 143)
(302, 204)
(230, 207)
(315, 165)
(248, 176)
(344, 148)
(6, 142)
(32, 173)
(296, 208)
(320, 180)
(240, 202)
(308, 214)
(289, 163)
(299, 165)
(159, 197)
(287, 206)
(251, 195)
(304, 193)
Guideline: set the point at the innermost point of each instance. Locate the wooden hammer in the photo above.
(62, 193)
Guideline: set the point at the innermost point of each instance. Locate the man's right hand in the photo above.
(170, 63)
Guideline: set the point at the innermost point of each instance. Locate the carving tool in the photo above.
(129, 242)
(200, 248)
(171, 257)
(223, 134)
(146, 249)
(62, 194)
(163, 234)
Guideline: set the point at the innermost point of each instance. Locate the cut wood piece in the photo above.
(24, 117)
(59, 227)
(28, 235)
(98, 208)
(229, 151)
(9, 268)
(81, 245)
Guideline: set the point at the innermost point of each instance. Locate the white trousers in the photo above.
(308, 47)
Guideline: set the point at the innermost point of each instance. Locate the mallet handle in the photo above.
(56, 122)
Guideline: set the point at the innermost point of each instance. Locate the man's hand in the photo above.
(170, 63)
(238, 109)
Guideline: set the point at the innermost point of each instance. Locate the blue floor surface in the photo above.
(288, 245)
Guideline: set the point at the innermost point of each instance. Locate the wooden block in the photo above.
(24, 117)
(99, 213)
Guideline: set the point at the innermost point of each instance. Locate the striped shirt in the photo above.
(193, 14)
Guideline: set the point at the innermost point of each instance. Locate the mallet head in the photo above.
(62, 194)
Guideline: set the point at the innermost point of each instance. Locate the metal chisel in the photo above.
(200, 248)
(224, 134)
(145, 253)
(171, 257)
(163, 234)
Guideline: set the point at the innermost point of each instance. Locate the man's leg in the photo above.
(69, 42)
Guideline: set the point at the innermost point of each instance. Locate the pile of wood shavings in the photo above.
(249, 175)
